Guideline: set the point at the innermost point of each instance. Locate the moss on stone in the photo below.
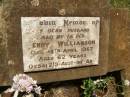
(120, 3)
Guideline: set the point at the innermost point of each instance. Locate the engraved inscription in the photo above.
(59, 42)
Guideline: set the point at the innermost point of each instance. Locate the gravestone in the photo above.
(95, 47)
(103, 27)
(51, 43)
(78, 63)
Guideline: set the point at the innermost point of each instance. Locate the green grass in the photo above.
(120, 3)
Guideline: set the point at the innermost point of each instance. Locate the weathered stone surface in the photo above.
(109, 56)
(126, 72)
(3, 50)
(118, 42)
(51, 43)
(15, 9)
